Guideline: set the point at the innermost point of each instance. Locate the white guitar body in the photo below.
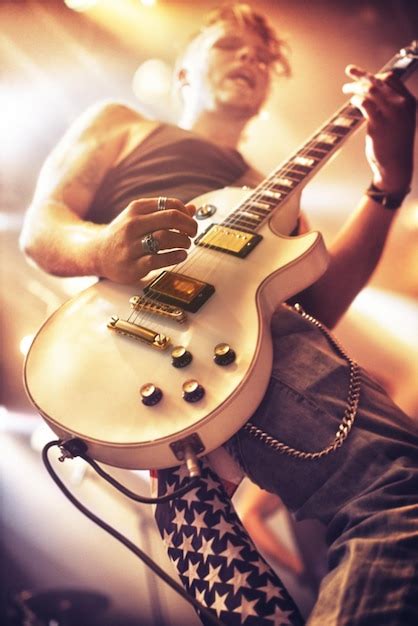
(85, 378)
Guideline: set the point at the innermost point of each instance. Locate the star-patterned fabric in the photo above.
(215, 558)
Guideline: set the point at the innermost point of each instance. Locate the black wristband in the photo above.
(391, 201)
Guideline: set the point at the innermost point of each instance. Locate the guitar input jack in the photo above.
(192, 462)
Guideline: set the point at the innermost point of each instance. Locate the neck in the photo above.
(222, 130)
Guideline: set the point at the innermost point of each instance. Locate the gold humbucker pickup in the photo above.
(229, 240)
(179, 290)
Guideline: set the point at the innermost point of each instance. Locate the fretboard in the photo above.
(292, 176)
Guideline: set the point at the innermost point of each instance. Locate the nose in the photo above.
(248, 53)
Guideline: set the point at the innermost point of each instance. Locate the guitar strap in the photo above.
(214, 556)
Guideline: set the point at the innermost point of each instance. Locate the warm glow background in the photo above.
(55, 61)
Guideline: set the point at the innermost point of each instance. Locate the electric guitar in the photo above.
(143, 377)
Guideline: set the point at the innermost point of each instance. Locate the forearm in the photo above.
(354, 255)
(390, 111)
(60, 242)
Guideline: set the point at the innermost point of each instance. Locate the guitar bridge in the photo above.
(155, 340)
(141, 303)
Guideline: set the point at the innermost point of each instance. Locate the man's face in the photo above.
(229, 70)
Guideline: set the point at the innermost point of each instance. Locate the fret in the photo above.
(293, 175)
(353, 112)
(296, 167)
(240, 222)
(245, 216)
(252, 215)
(274, 195)
(290, 176)
(327, 138)
(339, 130)
(284, 191)
(257, 211)
(317, 154)
(326, 147)
(260, 205)
(283, 182)
(304, 160)
(343, 121)
(313, 145)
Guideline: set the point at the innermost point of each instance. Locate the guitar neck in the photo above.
(290, 177)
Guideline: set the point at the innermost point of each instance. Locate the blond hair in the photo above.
(244, 15)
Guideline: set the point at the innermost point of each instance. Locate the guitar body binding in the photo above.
(85, 379)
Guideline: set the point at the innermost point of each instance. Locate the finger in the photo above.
(364, 92)
(367, 84)
(390, 84)
(379, 86)
(170, 219)
(376, 96)
(167, 240)
(191, 208)
(151, 262)
(355, 71)
(367, 108)
(143, 206)
(391, 80)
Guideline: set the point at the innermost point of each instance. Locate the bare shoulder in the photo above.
(108, 117)
(100, 132)
(114, 128)
(90, 147)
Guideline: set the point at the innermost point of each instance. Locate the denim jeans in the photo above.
(366, 492)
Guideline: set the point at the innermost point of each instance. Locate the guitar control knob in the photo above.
(205, 211)
(192, 391)
(224, 354)
(150, 394)
(180, 357)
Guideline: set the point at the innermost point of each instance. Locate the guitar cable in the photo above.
(75, 447)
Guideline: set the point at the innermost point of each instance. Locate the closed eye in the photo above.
(232, 42)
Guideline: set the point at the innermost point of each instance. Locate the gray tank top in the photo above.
(170, 162)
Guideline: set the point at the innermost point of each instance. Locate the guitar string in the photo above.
(348, 111)
(270, 183)
(258, 195)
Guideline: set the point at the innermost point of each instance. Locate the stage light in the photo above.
(80, 5)
(152, 81)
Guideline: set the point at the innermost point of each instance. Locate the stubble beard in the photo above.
(238, 110)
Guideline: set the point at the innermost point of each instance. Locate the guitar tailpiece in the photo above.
(72, 448)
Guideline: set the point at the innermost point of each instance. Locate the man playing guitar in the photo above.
(109, 203)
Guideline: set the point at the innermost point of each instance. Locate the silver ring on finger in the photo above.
(162, 203)
(150, 244)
